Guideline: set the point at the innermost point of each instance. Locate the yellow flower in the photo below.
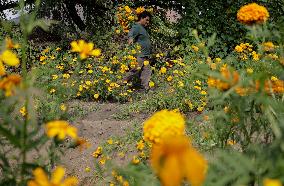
(163, 123)
(273, 78)
(135, 160)
(41, 178)
(87, 169)
(60, 129)
(249, 70)
(130, 18)
(85, 49)
(175, 159)
(54, 76)
(9, 83)
(98, 152)
(52, 91)
(96, 96)
(170, 78)
(23, 111)
(146, 62)
(58, 49)
(110, 141)
(203, 92)
(97, 52)
(252, 13)
(139, 10)
(10, 44)
(62, 107)
(268, 46)
(9, 58)
(255, 56)
(140, 145)
(127, 9)
(271, 182)
(151, 84)
(195, 48)
(163, 70)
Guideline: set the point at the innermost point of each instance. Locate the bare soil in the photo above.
(97, 127)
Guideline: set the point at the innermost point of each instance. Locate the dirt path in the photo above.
(96, 127)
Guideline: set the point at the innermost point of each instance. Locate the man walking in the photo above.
(138, 34)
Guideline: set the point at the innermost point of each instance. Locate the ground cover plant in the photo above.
(213, 114)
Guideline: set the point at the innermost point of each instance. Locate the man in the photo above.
(138, 34)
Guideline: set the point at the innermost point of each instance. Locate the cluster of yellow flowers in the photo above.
(125, 17)
(245, 50)
(252, 13)
(163, 123)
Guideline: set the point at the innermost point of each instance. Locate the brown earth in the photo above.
(97, 127)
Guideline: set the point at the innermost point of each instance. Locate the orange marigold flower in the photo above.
(8, 83)
(252, 13)
(163, 123)
(175, 159)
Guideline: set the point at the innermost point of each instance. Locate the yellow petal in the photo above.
(9, 58)
(32, 183)
(57, 175)
(75, 47)
(2, 69)
(72, 132)
(40, 177)
(96, 52)
(171, 172)
(71, 181)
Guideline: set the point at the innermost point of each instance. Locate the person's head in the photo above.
(144, 18)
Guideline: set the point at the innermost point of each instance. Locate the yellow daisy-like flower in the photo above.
(175, 159)
(163, 70)
(9, 83)
(85, 49)
(41, 178)
(163, 123)
(151, 84)
(252, 13)
(60, 129)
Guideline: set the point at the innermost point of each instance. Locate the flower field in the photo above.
(213, 116)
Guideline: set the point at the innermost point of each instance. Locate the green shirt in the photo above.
(139, 34)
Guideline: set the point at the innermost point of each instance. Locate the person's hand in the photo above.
(130, 41)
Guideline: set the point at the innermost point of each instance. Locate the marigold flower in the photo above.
(10, 44)
(175, 159)
(85, 49)
(163, 123)
(41, 178)
(60, 129)
(9, 83)
(252, 13)
(268, 46)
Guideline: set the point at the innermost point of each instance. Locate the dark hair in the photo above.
(144, 15)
